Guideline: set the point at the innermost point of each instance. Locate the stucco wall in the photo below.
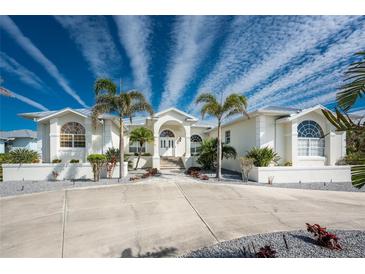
(243, 138)
(2, 146)
(43, 172)
(301, 174)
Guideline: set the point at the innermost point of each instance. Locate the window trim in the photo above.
(72, 135)
(319, 144)
(195, 148)
(227, 138)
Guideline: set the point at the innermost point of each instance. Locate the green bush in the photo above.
(74, 161)
(146, 154)
(263, 156)
(208, 155)
(97, 161)
(4, 158)
(56, 161)
(23, 156)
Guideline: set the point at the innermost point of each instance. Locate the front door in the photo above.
(167, 146)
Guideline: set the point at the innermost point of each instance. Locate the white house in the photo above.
(302, 137)
(23, 138)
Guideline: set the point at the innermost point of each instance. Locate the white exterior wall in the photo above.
(311, 174)
(243, 138)
(44, 172)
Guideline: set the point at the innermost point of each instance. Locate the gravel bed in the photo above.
(11, 188)
(316, 186)
(301, 245)
(235, 178)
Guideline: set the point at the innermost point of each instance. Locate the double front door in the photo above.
(167, 146)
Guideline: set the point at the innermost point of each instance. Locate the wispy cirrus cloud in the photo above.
(9, 26)
(92, 35)
(334, 56)
(26, 100)
(11, 66)
(259, 47)
(134, 33)
(309, 33)
(194, 37)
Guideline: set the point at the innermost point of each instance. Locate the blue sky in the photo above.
(52, 62)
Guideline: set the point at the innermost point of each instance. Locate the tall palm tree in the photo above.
(233, 104)
(124, 104)
(141, 135)
(353, 90)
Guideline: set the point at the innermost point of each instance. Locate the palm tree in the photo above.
(233, 104)
(353, 90)
(208, 153)
(141, 135)
(124, 104)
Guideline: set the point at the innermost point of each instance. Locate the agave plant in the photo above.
(263, 156)
(23, 156)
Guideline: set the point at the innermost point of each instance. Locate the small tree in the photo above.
(208, 155)
(246, 166)
(232, 105)
(112, 158)
(263, 156)
(141, 135)
(97, 161)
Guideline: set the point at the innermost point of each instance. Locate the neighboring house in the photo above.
(302, 137)
(24, 138)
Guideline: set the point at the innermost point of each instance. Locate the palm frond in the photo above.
(206, 98)
(342, 122)
(105, 85)
(358, 176)
(98, 110)
(235, 104)
(355, 88)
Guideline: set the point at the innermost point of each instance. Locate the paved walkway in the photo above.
(168, 215)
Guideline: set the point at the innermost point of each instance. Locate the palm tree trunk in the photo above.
(139, 157)
(121, 148)
(219, 152)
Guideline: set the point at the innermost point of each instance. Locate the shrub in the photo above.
(324, 238)
(195, 172)
(56, 161)
(263, 156)
(192, 169)
(288, 163)
(4, 158)
(112, 158)
(246, 166)
(208, 154)
(146, 154)
(266, 252)
(74, 161)
(97, 161)
(23, 156)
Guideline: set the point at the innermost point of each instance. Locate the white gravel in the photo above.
(301, 245)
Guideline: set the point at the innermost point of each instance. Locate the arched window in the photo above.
(195, 144)
(167, 133)
(310, 139)
(72, 135)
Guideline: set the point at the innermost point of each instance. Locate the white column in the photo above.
(294, 143)
(108, 143)
(54, 139)
(156, 152)
(88, 138)
(187, 141)
(40, 127)
(260, 130)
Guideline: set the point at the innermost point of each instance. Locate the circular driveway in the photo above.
(168, 215)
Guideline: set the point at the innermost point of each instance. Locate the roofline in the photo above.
(157, 114)
(60, 112)
(303, 112)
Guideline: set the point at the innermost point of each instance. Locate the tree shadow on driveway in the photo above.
(159, 253)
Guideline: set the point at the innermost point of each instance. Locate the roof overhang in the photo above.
(302, 113)
(61, 112)
(188, 117)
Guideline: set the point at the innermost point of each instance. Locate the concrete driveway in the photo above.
(168, 216)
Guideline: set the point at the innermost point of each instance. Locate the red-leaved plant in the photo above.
(266, 252)
(324, 238)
